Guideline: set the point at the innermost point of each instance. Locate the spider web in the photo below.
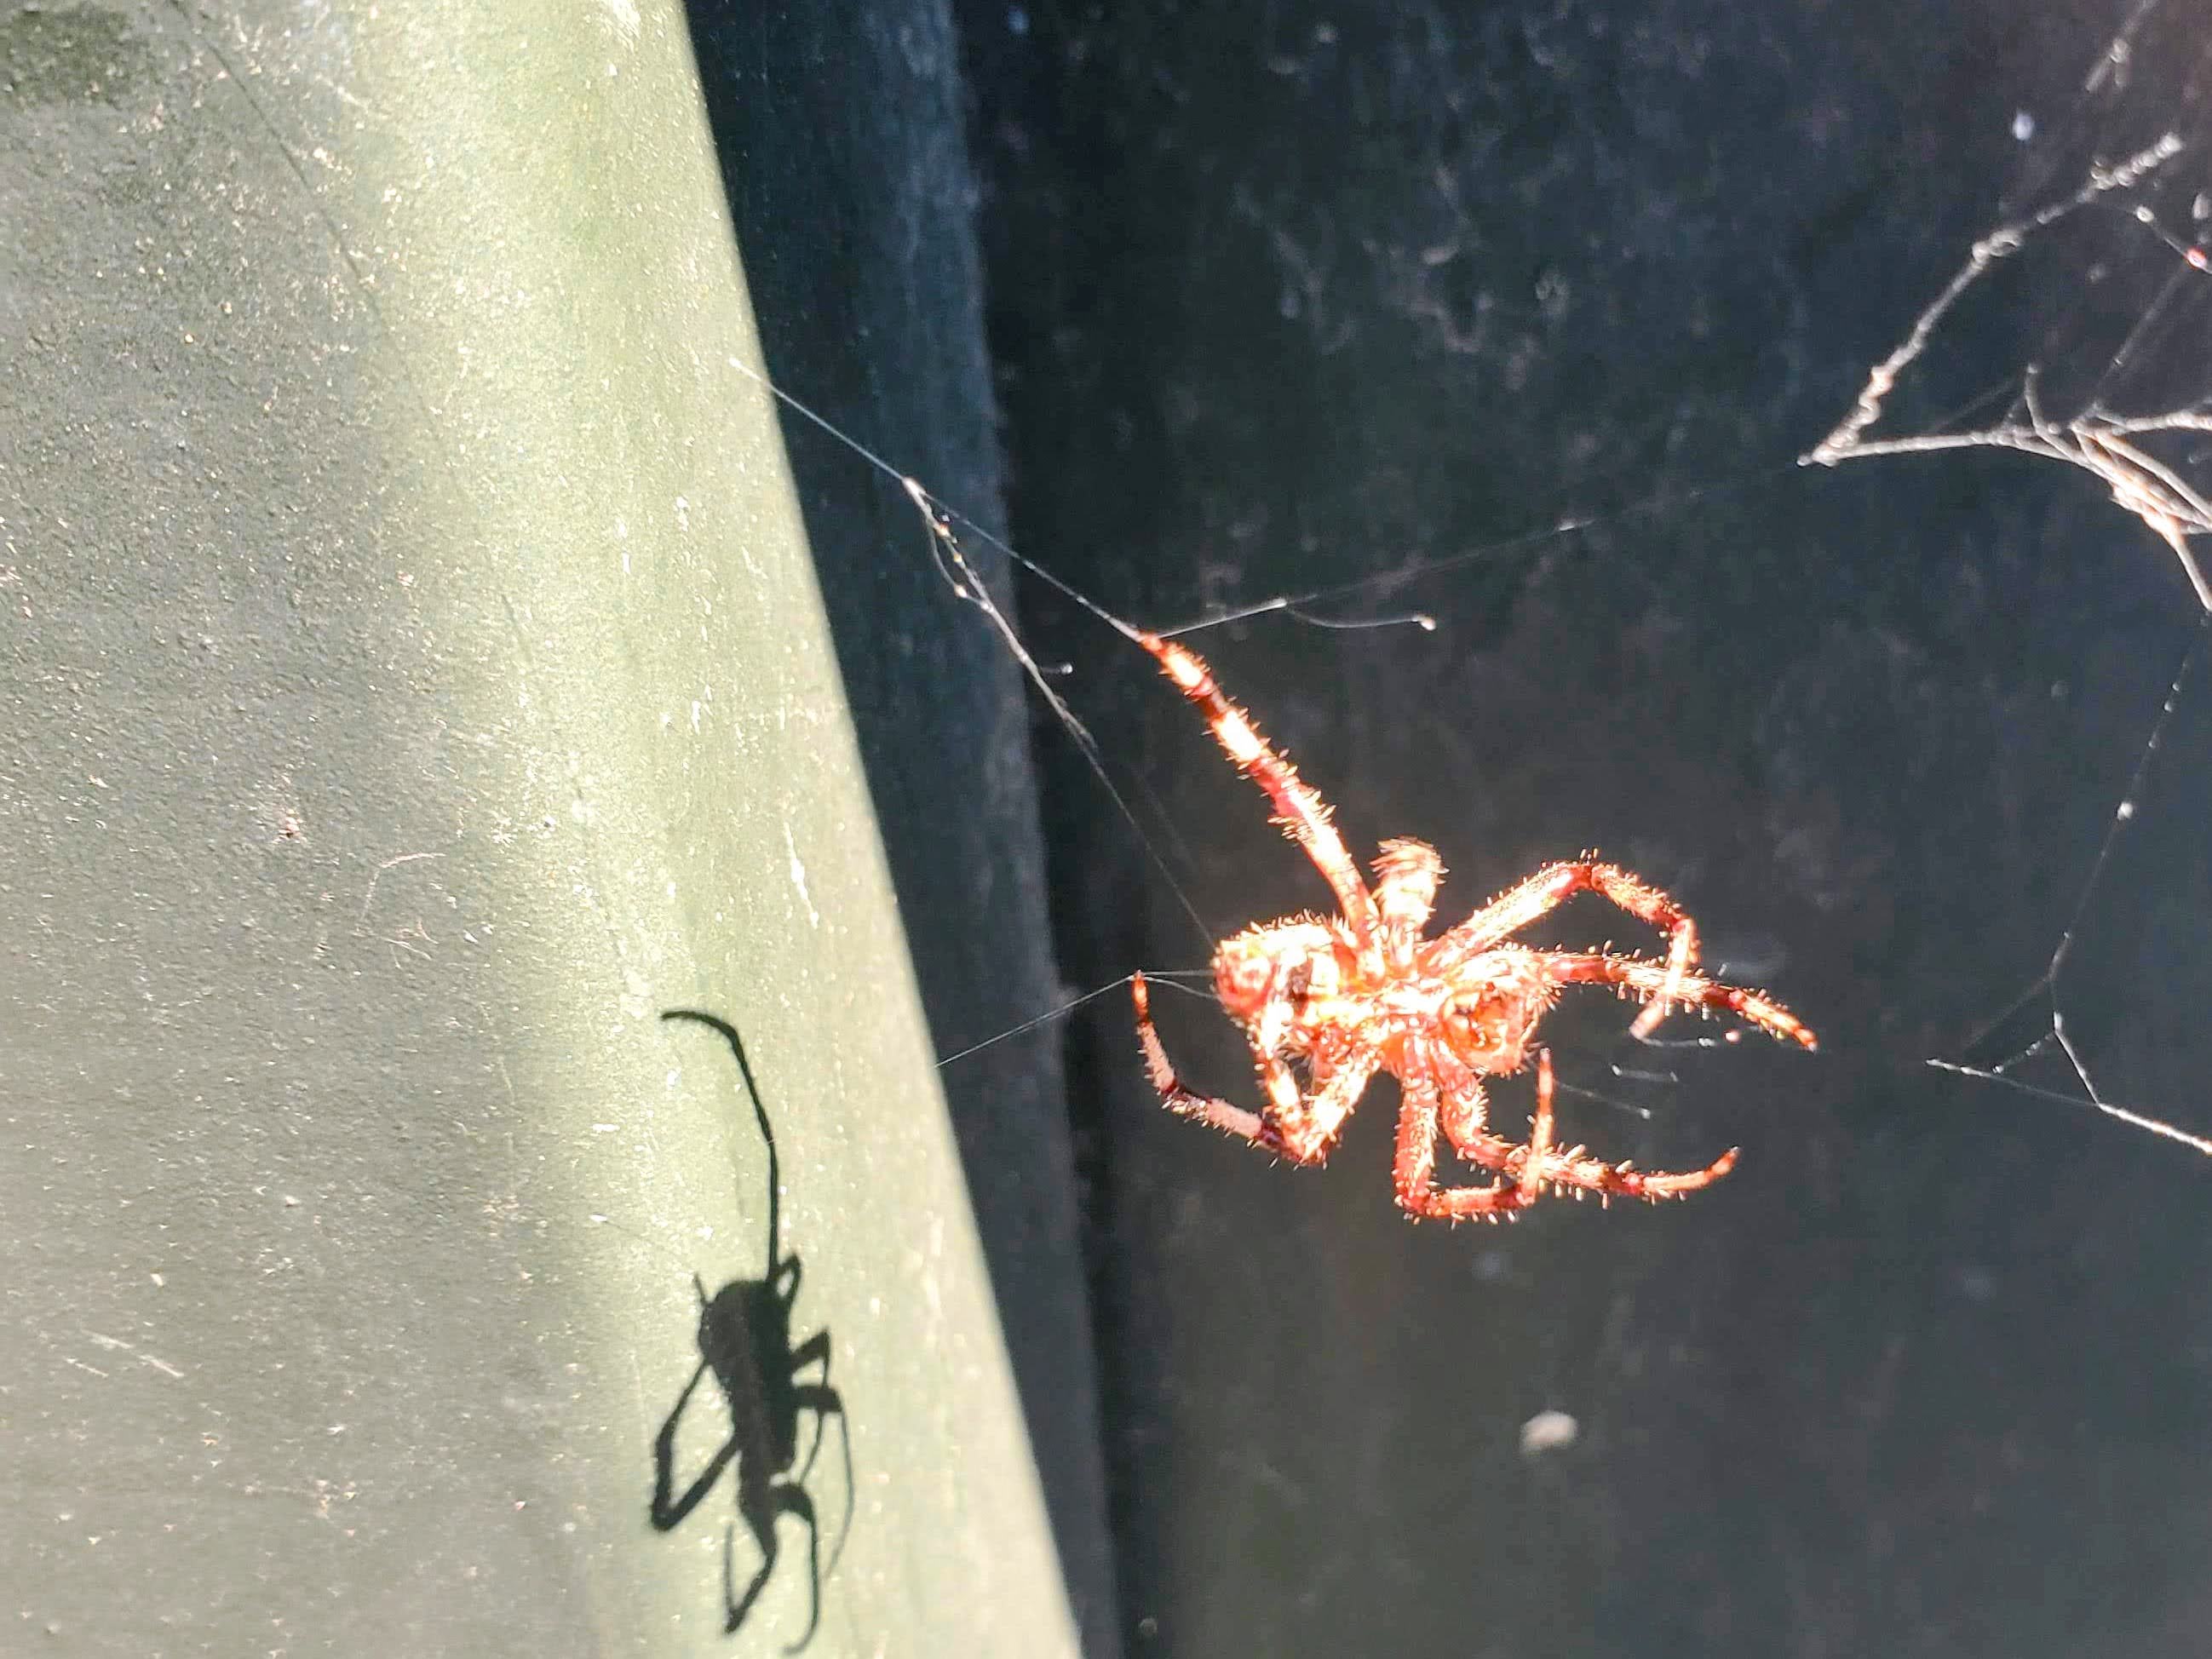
(2097, 259)
(2094, 261)
(2059, 318)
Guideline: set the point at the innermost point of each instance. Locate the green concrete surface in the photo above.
(414, 685)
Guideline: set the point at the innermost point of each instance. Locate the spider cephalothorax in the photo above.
(1343, 997)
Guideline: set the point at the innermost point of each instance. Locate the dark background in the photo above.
(1283, 298)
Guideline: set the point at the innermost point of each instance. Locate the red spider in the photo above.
(1343, 997)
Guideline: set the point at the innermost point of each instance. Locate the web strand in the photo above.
(2097, 440)
(2131, 450)
(2047, 984)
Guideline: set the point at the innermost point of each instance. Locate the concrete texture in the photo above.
(416, 684)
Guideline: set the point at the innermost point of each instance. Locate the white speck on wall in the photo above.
(2023, 125)
(798, 879)
(1548, 1430)
(624, 15)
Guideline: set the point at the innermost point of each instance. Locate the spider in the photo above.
(1340, 998)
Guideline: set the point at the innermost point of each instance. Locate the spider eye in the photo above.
(1297, 984)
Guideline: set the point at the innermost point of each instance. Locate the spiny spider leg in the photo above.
(1302, 813)
(1303, 1129)
(1310, 1125)
(1413, 1170)
(1574, 1168)
(1226, 1115)
(1536, 1165)
(1551, 886)
(1648, 980)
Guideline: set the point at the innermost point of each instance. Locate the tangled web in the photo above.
(2102, 243)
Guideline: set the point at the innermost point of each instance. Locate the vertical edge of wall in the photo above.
(415, 688)
(841, 131)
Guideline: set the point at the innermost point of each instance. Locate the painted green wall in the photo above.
(416, 684)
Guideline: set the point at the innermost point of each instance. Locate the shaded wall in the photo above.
(839, 128)
(1287, 297)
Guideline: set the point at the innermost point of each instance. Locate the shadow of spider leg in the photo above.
(761, 1503)
(744, 1337)
(765, 1494)
(764, 1501)
(824, 1402)
(666, 1515)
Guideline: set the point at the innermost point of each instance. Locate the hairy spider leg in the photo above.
(1301, 812)
(1649, 982)
(1407, 875)
(1550, 887)
(1540, 1159)
(1413, 1170)
(1459, 1113)
(1574, 1167)
(1301, 1129)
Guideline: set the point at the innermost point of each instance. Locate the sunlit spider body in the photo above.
(1342, 998)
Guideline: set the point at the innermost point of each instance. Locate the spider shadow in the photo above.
(744, 1341)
